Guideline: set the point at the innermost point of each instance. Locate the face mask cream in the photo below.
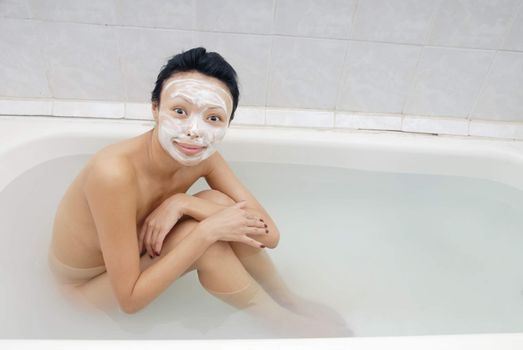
(198, 131)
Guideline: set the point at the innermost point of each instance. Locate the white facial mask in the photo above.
(193, 129)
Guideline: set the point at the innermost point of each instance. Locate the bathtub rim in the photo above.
(498, 160)
(509, 341)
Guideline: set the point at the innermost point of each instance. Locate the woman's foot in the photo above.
(318, 312)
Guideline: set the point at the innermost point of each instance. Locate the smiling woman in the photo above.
(130, 198)
(185, 118)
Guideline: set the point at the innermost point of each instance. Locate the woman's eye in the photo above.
(216, 118)
(179, 110)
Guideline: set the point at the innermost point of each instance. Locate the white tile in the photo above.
(447, 81)
(14, 9)
(249, 55)
(92, 11)
(88, 109)
(313, 18)
(370, 121)
(377, 77)
(138, 111)
(502, 95)
(507, 130)
(514, 40)
(83, 61)
(299, 118)
(22, 68)
(305, 72)
(177, 14)
(449, 126)
(249, 116)
(472, 23)
(144, 51)
(398, 21)
(25, 107)
(244, 16)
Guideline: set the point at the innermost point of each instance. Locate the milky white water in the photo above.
(396, 254)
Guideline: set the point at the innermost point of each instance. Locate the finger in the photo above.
(252, 242)
(157, 246)
(148, 240)
(256, 231)
(256, 223)
(140, 238)
(154, 239)
(240, 204)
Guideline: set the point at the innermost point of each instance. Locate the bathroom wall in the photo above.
(437, 66)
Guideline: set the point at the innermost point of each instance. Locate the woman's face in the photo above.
(193, 116)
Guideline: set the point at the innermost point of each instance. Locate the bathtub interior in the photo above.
(397, 254)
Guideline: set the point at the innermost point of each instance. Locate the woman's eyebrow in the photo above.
(189, 101)
(183, 98)
(216, 107)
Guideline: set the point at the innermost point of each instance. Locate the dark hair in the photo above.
(208, 63)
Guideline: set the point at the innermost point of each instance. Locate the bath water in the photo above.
(395, 254)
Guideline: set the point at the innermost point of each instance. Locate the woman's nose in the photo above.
(193, 130)
(192, 133)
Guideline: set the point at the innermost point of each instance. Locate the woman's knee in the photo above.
(217, 254)
(215, 196)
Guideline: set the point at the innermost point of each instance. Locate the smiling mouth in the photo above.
(188, 148)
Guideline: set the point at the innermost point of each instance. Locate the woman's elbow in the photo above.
(128, 306)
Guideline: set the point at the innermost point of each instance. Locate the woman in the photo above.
(125, 229)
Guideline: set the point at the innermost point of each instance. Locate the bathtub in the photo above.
(390, 302)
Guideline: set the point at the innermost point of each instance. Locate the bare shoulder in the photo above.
(111, 169)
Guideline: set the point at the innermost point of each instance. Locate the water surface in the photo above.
(396, 254)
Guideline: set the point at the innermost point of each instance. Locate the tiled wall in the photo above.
(438, 66)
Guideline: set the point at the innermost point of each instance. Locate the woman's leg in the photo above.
(259, 265)
(255, 260)
(222, 274)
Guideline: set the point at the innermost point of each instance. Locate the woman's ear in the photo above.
(154, 110)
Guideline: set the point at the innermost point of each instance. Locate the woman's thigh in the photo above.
(98, 291)
(182, 228)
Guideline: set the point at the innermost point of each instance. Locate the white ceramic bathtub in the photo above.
(29, 141)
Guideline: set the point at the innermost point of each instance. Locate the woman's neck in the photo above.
(159, 163)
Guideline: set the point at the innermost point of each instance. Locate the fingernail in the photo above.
(262, 246)
(265, 225)
(262, 220)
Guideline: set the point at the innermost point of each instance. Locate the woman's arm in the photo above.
(199, 208)
(221, 177)
(111, 192)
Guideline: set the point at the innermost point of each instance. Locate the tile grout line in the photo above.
(341, 81)
(270, 61)
(345, 65)
(489, 70)
(263, 34)
(481, 89)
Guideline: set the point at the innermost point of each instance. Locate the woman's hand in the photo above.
(159, 223)
(234, 224)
